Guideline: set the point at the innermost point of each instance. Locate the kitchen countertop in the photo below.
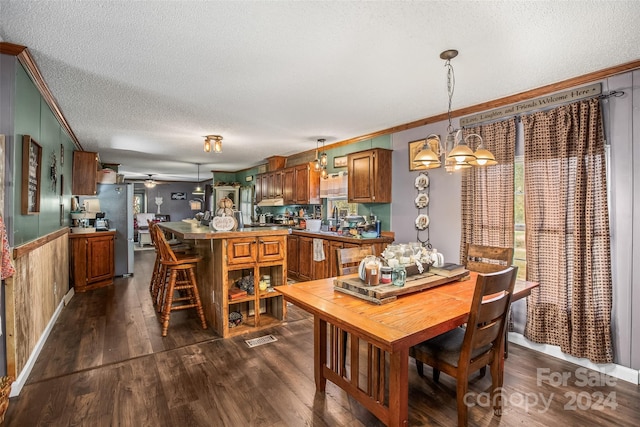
(190, 231)
(331, 235)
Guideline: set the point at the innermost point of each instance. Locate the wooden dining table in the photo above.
(374, 367)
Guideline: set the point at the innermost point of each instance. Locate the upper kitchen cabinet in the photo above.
(370, 176)
(85, 170)
(306, 185)
(288, 186)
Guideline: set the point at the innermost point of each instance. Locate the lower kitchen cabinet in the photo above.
(292, 255)
(261, 258)
(91, 260)
(305, 258)
(301, 265)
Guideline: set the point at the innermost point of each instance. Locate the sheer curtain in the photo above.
(568, 242)
(487, 192)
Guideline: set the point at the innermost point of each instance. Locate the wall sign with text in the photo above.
(31, 165)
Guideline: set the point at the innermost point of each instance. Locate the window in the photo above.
(344, 207)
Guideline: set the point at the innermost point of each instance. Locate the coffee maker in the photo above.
(101, 223)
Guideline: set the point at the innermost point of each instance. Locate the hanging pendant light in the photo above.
(430, 154)
(461, 152)
(484, 157)
(461, 155)
(198, 191)
(323, 156)
(316, 163)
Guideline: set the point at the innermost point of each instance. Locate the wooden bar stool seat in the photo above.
(176, 274)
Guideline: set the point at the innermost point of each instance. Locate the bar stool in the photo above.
(158, 275)
(176, 274)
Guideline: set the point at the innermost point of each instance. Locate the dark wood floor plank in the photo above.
(106, 364)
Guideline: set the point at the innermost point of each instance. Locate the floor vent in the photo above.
(260, 340)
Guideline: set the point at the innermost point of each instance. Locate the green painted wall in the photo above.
(34, 117)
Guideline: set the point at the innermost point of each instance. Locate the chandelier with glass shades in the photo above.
(213, 143)
(461, 155)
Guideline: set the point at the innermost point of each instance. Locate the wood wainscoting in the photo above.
(33, 294)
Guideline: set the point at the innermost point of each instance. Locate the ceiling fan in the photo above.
(150, 183)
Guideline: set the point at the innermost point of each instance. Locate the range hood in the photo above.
(278, 201)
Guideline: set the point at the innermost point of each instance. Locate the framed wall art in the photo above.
(31, 166)
(340, 162)
(178, 196)
(414, 148)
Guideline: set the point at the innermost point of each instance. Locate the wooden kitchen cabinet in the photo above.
(321, 268)
(258, 257)
(85, 172)
(307, 185)
(268, 185)
(91, 260)
(292, 255)
(305, 258)
(301, 266)
(275, 184)
(369, 176)
(259, 195)
(288, 186)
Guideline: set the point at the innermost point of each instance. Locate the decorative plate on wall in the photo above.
(422, 201)
(422, 182)
(422, 222)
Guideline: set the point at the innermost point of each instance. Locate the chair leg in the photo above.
(166, 310)
(461, 391)
(483, 372)
(497, 379)
(196, 297)
(436, 375)
(420, 368)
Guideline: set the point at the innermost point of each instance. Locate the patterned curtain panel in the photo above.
(568, 242)
(487, 192)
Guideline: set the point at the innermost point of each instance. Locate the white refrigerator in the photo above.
(116, 201)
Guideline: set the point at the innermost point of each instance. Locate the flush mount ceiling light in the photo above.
(461, 156)
(213, 143)
(149, 183)
(198, 191)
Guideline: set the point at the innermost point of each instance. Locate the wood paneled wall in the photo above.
(34, 293)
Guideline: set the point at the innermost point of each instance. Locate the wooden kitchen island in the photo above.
(227, 257)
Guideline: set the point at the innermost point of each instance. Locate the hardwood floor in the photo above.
(105, 364)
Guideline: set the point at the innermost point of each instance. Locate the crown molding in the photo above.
(27, 61)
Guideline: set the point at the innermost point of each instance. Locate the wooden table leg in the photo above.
(399, 388)
(319, 352)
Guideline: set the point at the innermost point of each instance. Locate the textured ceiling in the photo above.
(142, 81)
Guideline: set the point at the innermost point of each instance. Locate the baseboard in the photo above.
(17, 385)
(68, 296)
(612, 369)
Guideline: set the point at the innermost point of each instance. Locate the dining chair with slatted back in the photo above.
(460, 352)
(349, 258)
(487, 259)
